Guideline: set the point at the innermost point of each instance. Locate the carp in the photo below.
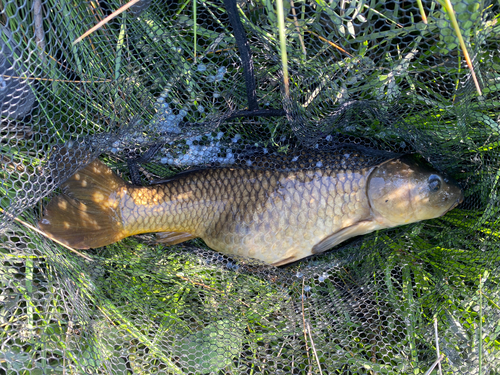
(277, 209)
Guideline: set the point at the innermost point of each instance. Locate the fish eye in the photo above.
(434, 183)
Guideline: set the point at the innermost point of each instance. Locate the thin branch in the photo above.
(54, 80)
(39, 34)
(258, 113)
(437, 343)
(331, 43)
(428, 372)
(301, 38)
(106, 20)
(282, 34)
(304, 323)
(314, 348)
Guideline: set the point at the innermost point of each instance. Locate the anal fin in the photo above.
(357, 229)
(284, 261)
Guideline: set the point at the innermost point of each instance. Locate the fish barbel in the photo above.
(277, 212)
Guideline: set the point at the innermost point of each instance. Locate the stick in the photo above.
(106, 20)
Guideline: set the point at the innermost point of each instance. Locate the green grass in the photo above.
(369, 307)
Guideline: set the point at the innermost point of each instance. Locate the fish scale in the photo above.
(309, 202)
(230, 208)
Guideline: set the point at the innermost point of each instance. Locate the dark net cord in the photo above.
(244, 52)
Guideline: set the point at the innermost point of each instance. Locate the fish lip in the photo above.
(457, 202)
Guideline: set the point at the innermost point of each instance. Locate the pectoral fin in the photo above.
(362, 227)
(173, 238)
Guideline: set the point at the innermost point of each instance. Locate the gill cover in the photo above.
(403, 190)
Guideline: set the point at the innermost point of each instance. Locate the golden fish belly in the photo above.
(276, 217)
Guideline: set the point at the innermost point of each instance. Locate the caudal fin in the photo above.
(87, 214)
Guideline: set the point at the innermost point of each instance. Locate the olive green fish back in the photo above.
(339, 157)
(169, 87)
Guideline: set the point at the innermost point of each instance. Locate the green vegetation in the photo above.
(375, 306)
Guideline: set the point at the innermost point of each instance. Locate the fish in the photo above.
(275, 208)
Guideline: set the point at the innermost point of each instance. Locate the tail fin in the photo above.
(87, 214)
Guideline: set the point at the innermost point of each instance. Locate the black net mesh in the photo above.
(172, 93)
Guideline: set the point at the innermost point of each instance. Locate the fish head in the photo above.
(404, 190)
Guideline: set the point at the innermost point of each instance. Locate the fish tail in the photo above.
(87, 214)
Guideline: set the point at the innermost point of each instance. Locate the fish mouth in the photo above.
(455, 204)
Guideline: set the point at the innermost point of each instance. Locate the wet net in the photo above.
(168, 87)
